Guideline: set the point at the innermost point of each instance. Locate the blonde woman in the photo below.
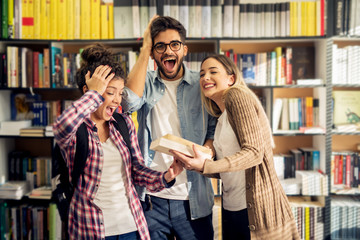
(254, 203)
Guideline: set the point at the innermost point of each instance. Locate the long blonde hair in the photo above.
(231, 69)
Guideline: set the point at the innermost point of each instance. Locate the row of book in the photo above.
(282, 66)
(35, 170)
(347, 17)
(306, 183)
(345, 222)
(345, 169)
(345, 62)
(31, 107)
(295, 113)
(92, 19)
(309, 217)
(40, 19)
(26, 221)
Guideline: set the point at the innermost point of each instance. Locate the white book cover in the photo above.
(174, 9)
(267, 20)
(357, 21)
(198, 18)
(144, 15)
(279, 166)
(206, 19)
(283, 19)
(13, 127)
(184, 13)
(216, 19)
(123, 19)
(192, 24)
(236, 17)
(152, 8)
(285, 114)
(136, 19)
(258, 24)
(166, 8)
(243, 21)
(228, 18)
(24, 50)
(251, 19)
(277, 113)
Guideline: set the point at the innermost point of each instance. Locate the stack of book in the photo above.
(13, 127)
(14, 189)
(32, 132)
(43, 192)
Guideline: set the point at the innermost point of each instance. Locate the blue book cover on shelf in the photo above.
(22, 106)
(248, 63)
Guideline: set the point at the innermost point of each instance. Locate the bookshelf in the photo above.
(248, 39)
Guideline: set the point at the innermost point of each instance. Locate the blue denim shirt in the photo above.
(195, 125)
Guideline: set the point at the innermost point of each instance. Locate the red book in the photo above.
(35, 69)
(348, 168)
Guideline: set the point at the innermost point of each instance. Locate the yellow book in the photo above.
(70, 19)
(53, 19)
(299, 18)
(85, 19)
(77, 10)
(311, 18)
(304, 18)
(65, 65)
(11, 26)
(95, 19)
(62, 15)
(307, 223)
(31, 19)
(37, 21)
(104, 16)
(24, 16)
(111, 21)
(44, 19)
(278, 51)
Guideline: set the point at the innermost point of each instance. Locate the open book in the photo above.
(169, 141)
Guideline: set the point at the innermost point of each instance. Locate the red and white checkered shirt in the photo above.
(85, 218)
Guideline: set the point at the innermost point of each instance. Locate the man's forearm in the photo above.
(137, 75)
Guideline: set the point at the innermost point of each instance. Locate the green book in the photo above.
(4, 19)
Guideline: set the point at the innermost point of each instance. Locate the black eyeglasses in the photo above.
(160, 47)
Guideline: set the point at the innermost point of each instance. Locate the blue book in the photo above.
(248, 63)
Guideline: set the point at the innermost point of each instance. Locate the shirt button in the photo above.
(252, 227)
(249, 205)
(99, 170)
(97, 185)
(248, 186)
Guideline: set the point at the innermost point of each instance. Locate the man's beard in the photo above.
(161, 69)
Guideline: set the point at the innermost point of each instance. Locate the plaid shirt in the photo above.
(85, 218)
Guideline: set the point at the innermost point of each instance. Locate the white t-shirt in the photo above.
(111, 196)
(165, 120)
(226, 144)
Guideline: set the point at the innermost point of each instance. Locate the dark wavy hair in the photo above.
(164, 23)
(93, 56)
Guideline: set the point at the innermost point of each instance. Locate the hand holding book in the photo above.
(195, 163)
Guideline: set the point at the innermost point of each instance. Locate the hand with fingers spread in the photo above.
(100, 79)
(174, 170)
(195, 163)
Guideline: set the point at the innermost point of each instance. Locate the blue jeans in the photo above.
(168, 218)
(126, 236)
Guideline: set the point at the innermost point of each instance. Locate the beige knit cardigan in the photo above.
(270, 215)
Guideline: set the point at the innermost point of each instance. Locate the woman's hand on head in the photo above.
(100, 79)
(195, 163)
(174, 170)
